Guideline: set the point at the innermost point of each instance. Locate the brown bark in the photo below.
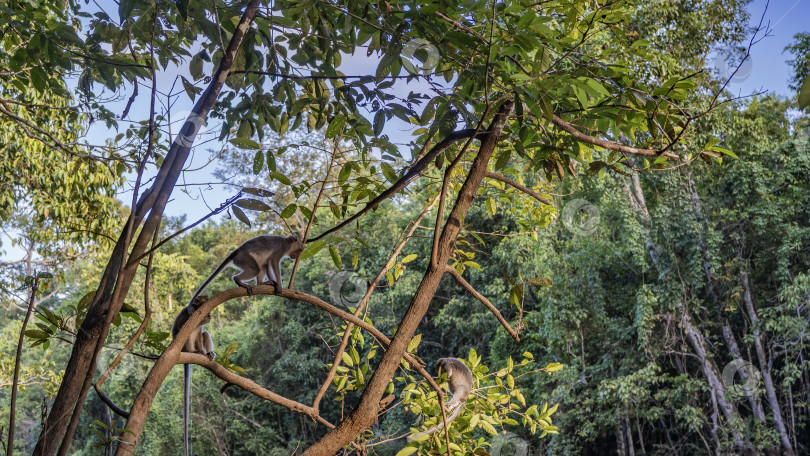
(365, 413)
(117, 279)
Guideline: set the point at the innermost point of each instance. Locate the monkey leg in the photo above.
(242, 284)
(208, 346)
(271, 278)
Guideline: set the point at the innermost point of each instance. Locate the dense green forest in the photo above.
(580, 208)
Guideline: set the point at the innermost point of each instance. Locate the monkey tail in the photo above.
(456, 412)
(186, 408)
(213, 275)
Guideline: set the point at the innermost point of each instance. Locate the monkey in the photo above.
(460, 382)
(259, 256)
(198, 342)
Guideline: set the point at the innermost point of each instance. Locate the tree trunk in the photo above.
(117, 279)
(365, 414)
(765, 368)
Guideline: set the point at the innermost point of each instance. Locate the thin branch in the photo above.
(520, 187)
(335, 149)
(610, 145)
(350, 326)
(452, 271)
(13, 409)
(109, 403)
(221, 208)
(406, 179)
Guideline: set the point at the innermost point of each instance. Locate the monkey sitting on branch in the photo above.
(260, 256)
(198, 342)
(460, 383)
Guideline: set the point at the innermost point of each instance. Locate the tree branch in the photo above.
(406, 179)
(250, 386)
(452, 271)
(514, 184)
(610, 145)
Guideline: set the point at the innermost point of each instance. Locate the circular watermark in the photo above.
(122, 371)
(746, 371)
(732, 67)
(419, 56)
(580, 217)
(508, 445)
(191, 125)
(347, 288)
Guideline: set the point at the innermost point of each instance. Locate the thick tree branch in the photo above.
(452, 271)
(514, 184)
(171, 355)
(406, 179)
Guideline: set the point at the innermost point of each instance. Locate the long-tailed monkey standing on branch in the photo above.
(460, 382)
(198, 342)
(260, 256)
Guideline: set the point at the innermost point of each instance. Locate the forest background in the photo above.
(661, 307)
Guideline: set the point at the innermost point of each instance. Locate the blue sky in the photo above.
(767, 71)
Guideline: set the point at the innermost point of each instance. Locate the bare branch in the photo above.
(452, 271)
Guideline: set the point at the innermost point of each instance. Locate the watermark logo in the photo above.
(747, 373)
(185, 126)
(347, 288)
(580, 217)
(731, 68)
(419, 56)
(508, 445)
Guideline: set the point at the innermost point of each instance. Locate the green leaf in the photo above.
(125, 9)
(280, 177)
(312, 248)
(409, 258)
(335, 254)
(389, 172)
(503, 159)
(553, 367)
(414, 343)
(39, 78)
(252, 204)
(289, 210)
(379, 122)
(245, 143)
(335, 127)
(258, 162)
(407, 450)
(258, 192)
